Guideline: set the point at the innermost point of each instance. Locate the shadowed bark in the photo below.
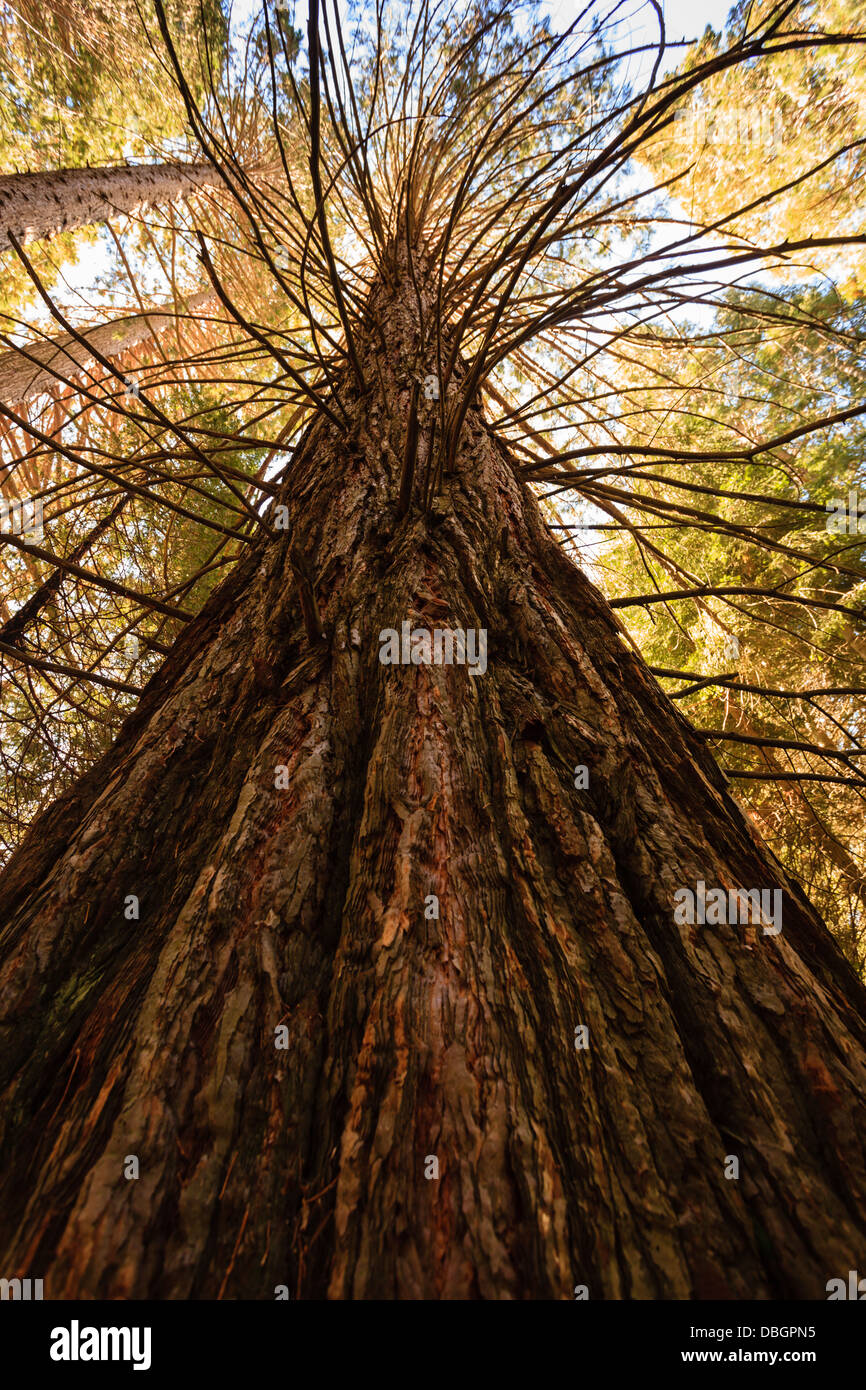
(297, 898)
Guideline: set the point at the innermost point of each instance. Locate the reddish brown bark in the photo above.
(408, 1036)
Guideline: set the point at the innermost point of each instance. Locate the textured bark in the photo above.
(34, 207)
(411, 1037)
(22, 378)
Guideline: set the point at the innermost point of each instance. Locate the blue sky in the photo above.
(683, 18)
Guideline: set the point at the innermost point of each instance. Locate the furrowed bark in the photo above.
(283, 811)
(40, 205)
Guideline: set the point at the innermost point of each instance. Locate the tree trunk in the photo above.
(303, 898)
(36, 206)
(22, 378)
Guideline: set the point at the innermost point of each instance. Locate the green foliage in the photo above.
(84, 84)
(744, 367)
(791, 126)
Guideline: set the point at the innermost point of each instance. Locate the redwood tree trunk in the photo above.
(36, 206)
(299, 900)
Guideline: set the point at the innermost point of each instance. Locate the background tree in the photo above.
(374, 970)
(84, 87)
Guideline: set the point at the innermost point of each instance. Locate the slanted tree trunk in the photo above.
(36, 206)
(37, 366)
(304, 898)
